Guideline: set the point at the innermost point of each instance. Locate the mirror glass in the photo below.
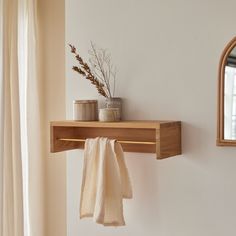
(230, 96)
(226, 116)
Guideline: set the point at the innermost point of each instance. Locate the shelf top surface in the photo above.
(147, 124)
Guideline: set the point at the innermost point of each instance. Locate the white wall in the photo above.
(167, 55)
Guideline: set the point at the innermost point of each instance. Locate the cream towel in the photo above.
(105, 182)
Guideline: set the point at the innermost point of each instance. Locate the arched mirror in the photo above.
(226, 133)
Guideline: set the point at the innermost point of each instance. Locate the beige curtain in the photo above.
(12, 166)
(21, 161)
(1, 112)
(34, 118)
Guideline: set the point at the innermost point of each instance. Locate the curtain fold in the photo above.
(1, 117)
(21, 155)
(35, 126)
(12, 165)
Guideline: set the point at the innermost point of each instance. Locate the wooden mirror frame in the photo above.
(221, 79)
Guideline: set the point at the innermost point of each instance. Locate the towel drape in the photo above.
(105, 182)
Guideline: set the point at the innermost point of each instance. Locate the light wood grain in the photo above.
(165, 136)
(169, 138)
(220, 141)
(122, 124)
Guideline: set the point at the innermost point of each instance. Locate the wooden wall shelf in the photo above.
(160, 137)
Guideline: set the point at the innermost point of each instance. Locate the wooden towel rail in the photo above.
(119, 141)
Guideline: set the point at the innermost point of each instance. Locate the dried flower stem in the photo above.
(99, 63)
(86, 72)
(103, 68)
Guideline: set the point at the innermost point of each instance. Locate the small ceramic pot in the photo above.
(85, 110)
(109, 114)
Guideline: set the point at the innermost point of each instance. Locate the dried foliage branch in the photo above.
(86, 72)
(101, 66)
(102, 73)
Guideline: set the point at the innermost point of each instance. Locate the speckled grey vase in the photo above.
(115, 102)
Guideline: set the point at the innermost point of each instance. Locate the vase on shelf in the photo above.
(115, 102)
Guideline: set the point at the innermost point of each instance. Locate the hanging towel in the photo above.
(105, 182)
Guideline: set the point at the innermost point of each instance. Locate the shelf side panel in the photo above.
(169, 140)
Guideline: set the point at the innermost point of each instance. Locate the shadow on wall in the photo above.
(193, 139)
(144, 174)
